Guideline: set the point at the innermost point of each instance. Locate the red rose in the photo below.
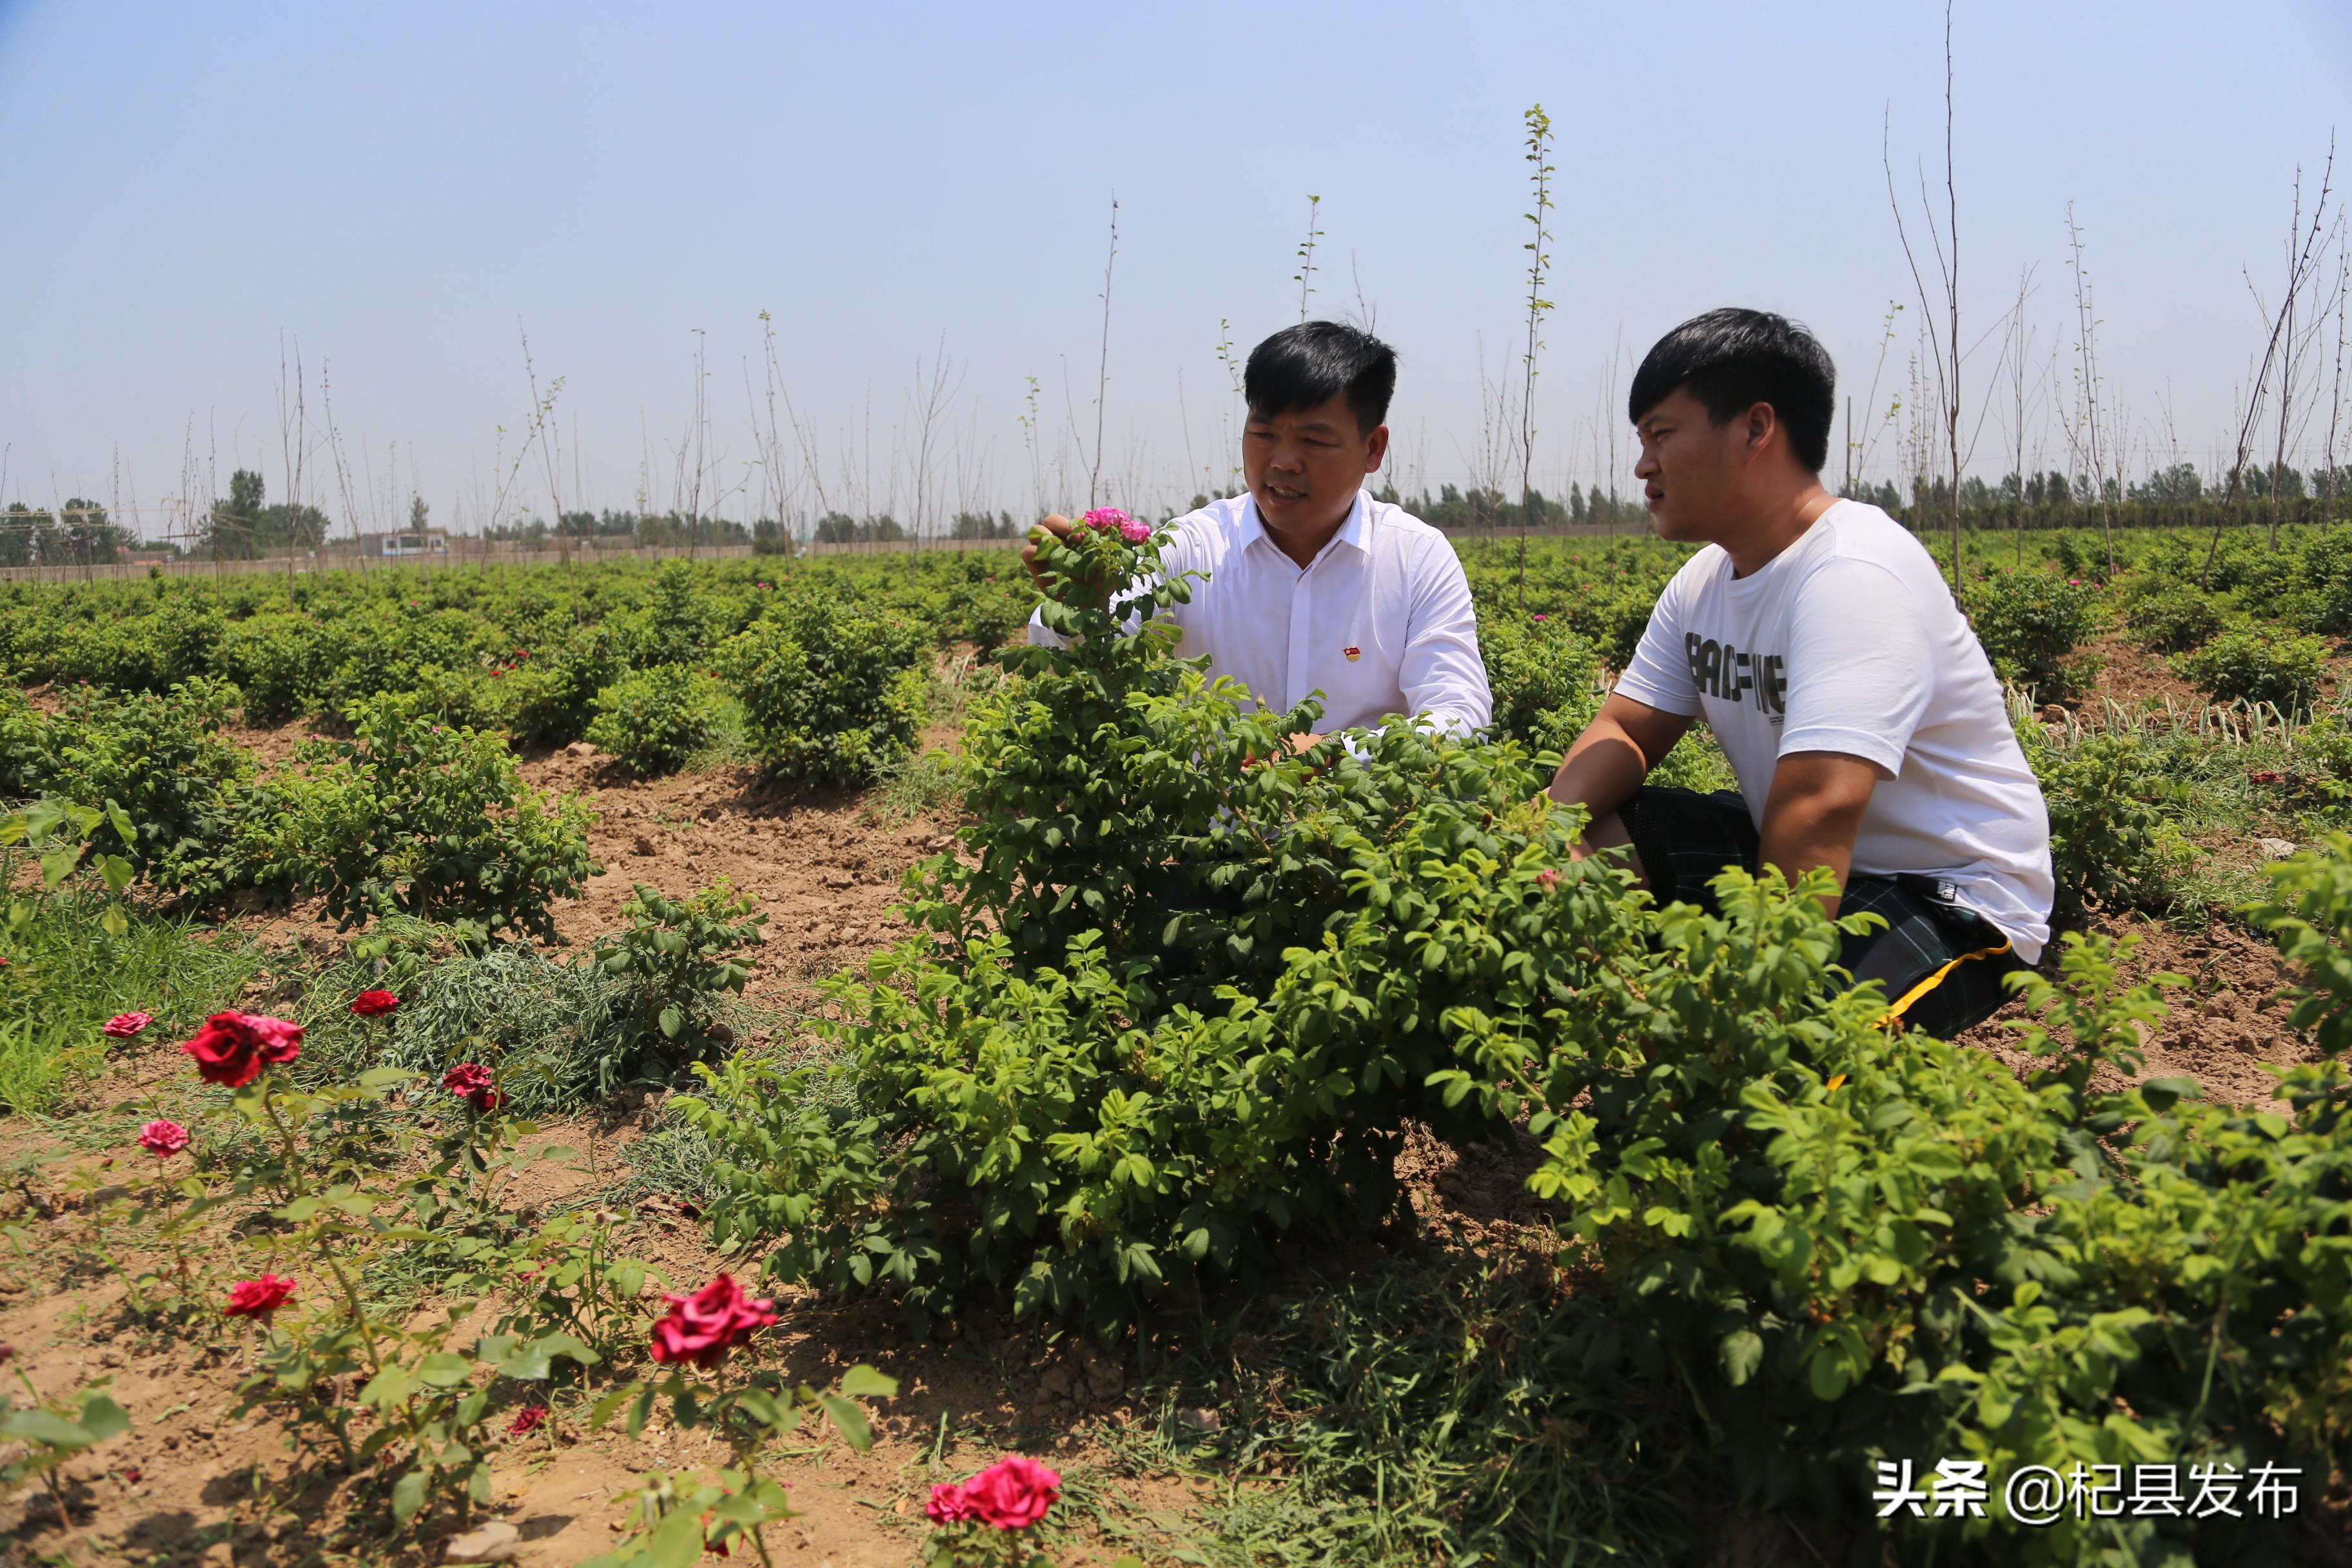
(471, 1081)
(124, 1025)
(375, 1003)
(163, 1138)
(260, 1298)
(702, 1328)
(527, 1420)
(232, 1047)
(1012, 1493)
(2264, 775)
(949, 1505)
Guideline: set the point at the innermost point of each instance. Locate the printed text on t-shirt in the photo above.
(1737, 675)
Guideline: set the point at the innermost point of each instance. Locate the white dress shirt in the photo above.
(1379, 622)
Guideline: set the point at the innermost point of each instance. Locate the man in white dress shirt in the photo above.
(1311, 585)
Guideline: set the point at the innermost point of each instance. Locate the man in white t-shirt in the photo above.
(1820, 642)
(1308, 585)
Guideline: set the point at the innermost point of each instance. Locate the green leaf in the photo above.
(117, 872)
(862, 1382)
(46, 1427)
(443, 1370)
(58, 865)
(677, 1541)
(849, 1420)
(602, 1411)
(408, 1495)
(102, 1417)
(1741, 1352)
(389, 1386)
(671, 1020)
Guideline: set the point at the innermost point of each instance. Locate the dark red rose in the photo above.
(471, 1082)
(375, 1003)
(232, 1048)
(527, 1421)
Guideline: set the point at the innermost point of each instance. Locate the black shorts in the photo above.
(1942, 964)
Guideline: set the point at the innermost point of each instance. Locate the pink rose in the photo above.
(232, 1048)
(163, 1138)
(1135, 531)
(949, 1505)
(124, 1025)
(1012, 1493)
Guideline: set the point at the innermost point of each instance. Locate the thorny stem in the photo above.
(326, 1252)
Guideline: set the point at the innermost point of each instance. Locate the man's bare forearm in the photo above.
(1813, 816)
(1602, 770)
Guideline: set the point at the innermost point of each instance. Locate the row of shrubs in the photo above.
(814, 655)
(407, 815)
(1171, 1013)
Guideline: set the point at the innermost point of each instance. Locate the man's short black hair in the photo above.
(1731, 360)
(1308, 366)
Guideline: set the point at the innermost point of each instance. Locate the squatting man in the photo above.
(1818, 640)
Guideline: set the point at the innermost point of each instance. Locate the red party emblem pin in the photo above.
(1353, 654)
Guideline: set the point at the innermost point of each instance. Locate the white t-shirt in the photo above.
(1848, 641)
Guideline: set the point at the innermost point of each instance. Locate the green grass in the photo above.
(1433, 1409)
(66, 975)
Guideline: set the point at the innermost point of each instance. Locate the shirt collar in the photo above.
(1355, 532)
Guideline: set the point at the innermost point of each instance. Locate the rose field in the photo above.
(746, 1058)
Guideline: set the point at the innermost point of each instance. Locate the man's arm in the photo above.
(1442, 673)
(1813, 813)
(1625, 740)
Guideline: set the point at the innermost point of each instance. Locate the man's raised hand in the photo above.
(1054, 523)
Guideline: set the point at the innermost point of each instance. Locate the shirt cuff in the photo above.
(1859, 744)
(1041, 638)
(1642, 691)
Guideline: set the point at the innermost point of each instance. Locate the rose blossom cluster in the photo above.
(1112, 520)
(702, 1328)
(471, 1082)
(232, 1048)
(1012, 1494)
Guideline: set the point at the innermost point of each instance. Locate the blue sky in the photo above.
(190, 190)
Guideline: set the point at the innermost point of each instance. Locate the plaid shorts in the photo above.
(1941, 963)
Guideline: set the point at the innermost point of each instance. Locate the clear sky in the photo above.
(193, 191)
